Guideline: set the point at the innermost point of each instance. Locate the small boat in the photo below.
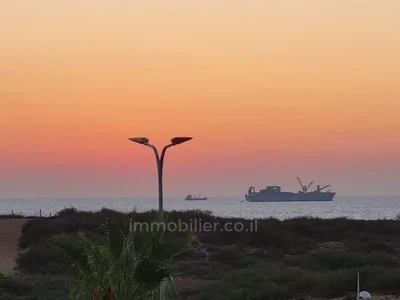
(191, 197)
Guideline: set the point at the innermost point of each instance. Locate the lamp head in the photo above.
(140, 140)
(364, 295)
(180, 140)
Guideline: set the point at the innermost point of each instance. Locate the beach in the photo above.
(10, 231)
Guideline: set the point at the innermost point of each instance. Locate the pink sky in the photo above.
(269, 90)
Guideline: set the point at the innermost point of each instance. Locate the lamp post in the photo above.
(160, 163)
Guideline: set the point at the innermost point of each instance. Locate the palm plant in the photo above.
(124, 265)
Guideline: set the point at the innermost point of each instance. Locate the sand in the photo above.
(10, 231)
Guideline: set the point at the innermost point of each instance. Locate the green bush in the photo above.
(40, 258)
(36, 230)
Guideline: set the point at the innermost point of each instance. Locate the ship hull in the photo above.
(195, 199)
(290, 197)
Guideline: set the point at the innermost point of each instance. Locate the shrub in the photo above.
(40, 288)
(204, 270)
(36, 230)
(42, 259)
(15, 286)
(353, 259)
(275, 281)
(343, 259)
(133, 265)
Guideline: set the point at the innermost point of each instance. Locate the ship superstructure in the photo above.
(193, 197)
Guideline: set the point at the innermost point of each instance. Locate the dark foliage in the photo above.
(280, 260)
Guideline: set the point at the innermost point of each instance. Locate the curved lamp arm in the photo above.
(155, 151)
(160, 161)
(163, 155)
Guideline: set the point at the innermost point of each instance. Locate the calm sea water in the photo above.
(355, 207)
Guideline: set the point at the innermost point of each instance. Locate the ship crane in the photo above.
(322, 188)
(304, 187)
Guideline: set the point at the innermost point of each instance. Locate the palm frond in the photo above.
(123, 265)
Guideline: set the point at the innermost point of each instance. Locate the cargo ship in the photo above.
(273, 193)
(191, 197)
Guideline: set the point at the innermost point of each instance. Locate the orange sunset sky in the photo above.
(269, 90)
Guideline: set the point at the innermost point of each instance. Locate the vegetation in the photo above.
(124, 266)
(16, 216)
(35, 288)
(302, 257)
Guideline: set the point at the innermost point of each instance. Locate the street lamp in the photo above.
(160, 162)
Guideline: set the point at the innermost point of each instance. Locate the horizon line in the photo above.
(177, 196)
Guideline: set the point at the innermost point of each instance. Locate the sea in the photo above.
(352, 207)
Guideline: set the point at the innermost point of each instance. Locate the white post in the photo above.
(358, 285)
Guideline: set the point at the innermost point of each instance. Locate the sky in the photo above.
(269, 90)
